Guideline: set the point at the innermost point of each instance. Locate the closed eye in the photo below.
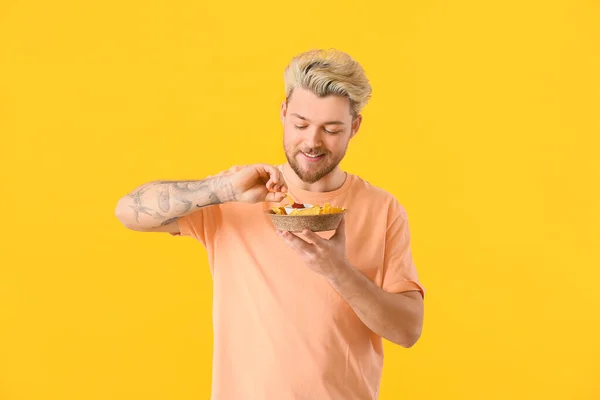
(328, 131)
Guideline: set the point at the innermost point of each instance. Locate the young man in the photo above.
(298, 316)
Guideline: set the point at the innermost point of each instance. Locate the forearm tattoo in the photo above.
(174, 199)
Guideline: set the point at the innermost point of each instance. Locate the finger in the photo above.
(275, 197)
(279, 187)
(281, 182)
(313, 237)
(266, 173)
(276, 181)
(295, 241)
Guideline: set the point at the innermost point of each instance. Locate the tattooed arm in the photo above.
(156, 206)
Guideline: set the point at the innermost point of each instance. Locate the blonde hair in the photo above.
(328, 72)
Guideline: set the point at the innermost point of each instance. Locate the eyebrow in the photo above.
(326, 123)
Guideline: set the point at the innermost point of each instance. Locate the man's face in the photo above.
(316, 133)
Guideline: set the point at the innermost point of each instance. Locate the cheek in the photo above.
(292, 136)
(334, 145)
(290, 140)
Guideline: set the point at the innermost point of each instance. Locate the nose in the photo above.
(313, 138)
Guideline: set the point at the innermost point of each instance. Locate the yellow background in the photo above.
(484, 123)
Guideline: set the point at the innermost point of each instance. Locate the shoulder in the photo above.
(376, 197)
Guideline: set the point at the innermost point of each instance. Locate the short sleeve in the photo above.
(399, 269)
(200, 225)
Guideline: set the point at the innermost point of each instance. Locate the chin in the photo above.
(312, 173)
(309, 177)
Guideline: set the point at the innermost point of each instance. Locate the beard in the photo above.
(313, 171)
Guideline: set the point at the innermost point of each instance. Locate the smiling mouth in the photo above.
(312, 155)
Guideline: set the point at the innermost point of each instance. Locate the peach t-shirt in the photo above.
(281, 331)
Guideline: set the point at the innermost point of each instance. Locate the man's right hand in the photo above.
(156, 206)
(256, 183)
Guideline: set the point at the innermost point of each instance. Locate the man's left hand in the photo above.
(324, 256)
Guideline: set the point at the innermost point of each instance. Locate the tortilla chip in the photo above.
(279, 210)
(315, 210)
(290, 198)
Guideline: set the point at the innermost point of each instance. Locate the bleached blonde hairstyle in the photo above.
(329, 72)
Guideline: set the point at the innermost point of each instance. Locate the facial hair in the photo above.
(321, 168)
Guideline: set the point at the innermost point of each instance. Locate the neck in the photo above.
(330, 182)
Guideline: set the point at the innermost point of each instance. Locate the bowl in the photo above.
(297, 223)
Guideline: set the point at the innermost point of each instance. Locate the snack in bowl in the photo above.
(297, 216)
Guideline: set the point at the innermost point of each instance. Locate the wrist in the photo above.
(222, 189)
(338, 273)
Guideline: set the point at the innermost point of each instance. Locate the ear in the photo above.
(356, 125)
(283, 112)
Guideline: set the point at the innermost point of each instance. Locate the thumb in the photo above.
(275, 197)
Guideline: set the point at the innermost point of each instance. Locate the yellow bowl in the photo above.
(297, 223)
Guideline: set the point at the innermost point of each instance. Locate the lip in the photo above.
(309, 159)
